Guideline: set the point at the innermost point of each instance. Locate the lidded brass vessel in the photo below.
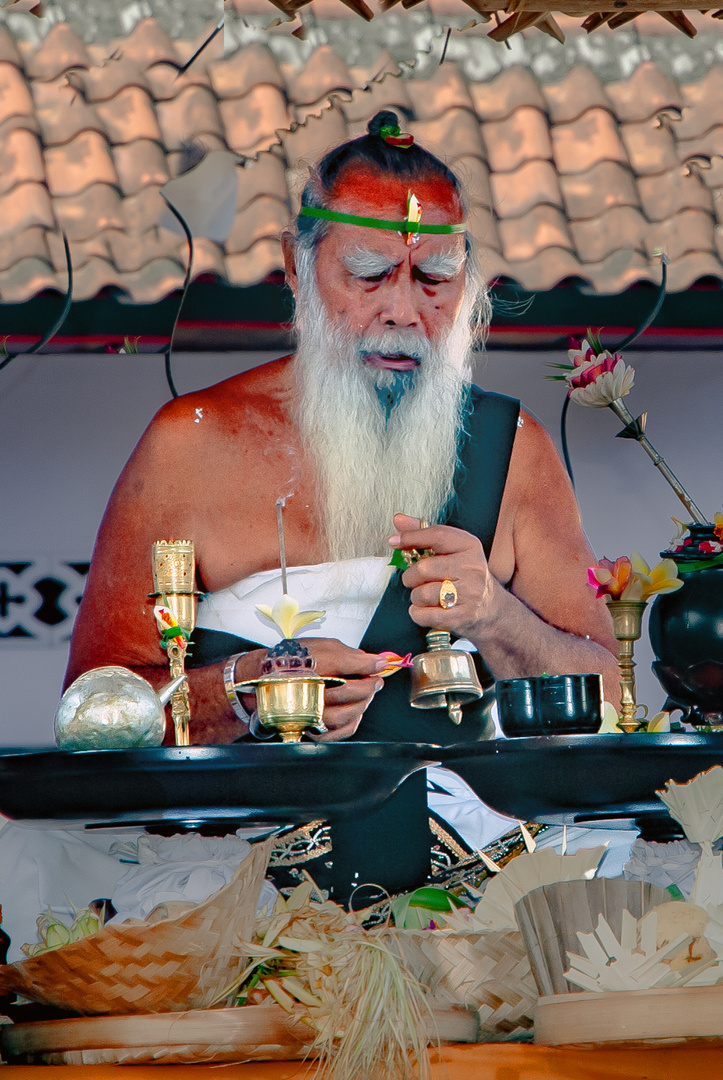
(289, 694)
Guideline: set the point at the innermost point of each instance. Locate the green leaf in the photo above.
(397, 560)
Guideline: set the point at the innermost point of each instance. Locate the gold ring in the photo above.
(447, 594)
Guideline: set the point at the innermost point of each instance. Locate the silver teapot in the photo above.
(112, 708)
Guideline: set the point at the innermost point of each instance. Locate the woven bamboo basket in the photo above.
(137, 967)
(486, 970)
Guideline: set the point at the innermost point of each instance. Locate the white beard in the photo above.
(370, 467)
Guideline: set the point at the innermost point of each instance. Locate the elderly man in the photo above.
(370, 427)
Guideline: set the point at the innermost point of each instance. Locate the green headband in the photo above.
(379, 223)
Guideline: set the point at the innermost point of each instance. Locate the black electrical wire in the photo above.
(61, 318)
(169, 348)
(626, 341)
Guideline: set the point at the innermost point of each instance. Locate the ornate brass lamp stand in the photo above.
(627, 618)
(174, 575)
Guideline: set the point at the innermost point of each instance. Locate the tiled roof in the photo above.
(580, 178)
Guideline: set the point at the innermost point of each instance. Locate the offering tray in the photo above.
(245, 782)
(604, 780)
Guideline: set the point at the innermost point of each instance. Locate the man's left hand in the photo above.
(458, 557)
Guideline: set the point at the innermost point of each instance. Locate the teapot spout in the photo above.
(165, 695)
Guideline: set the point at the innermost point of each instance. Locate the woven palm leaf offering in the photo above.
(365, 1014)
(623, 960)
(472, 955)
(180, 962)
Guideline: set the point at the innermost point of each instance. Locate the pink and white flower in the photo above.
(597, 379)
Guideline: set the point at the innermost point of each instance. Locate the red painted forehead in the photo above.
(371, 193)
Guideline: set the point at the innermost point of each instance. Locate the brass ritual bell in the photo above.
(443, 677)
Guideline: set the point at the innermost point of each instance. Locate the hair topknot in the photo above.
(381, 120)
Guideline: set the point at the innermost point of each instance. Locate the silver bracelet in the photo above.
(229, 670)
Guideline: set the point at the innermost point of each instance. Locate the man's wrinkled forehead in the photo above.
(368, 191)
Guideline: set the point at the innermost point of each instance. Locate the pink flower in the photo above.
(610, 579)
(394, 662)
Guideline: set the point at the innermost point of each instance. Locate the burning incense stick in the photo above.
(282, 545)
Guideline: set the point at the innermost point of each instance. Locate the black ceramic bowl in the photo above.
(550, 705)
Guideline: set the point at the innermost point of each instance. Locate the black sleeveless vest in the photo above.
(391, 847)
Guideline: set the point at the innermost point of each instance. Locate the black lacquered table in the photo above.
(586, 779)
(244, 782)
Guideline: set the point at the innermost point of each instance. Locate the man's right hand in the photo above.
(345, 705)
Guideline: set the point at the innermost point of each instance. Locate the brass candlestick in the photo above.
(174, 575)
(627, 618)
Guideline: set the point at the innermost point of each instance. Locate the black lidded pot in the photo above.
(686, 633)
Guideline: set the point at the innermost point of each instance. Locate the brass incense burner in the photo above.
(442, 677)
(289, 693)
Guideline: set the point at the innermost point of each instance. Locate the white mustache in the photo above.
(396, 342)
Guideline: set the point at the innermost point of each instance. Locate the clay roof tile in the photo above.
(23, 207)
(193, 113)
(521, 137)
(311, 140)
(322, 73)
(453, 135)
(622, 226)
(139, 164)
(84, 160)
(263, 176)
(97, 208)
(445, 90)
(666, 194)
(153, 281)
(691, 267)
(250, 123)
(546, 270)
(606, 184)
(165, 83)
(703, 105)
(524, 237)
(147, 44)
(689, 230)
(255, 264)
(513, 89)
(387, 92)
(709, 145)
(129, 116)
(61, 111)
(515, 193)
(619, 271)
(263, 218)
(30, 243)
(650, 149)
(15, 97)
(21, 160)
(9, 52)
(244, 69)
(646, 92)
(142, 211)
(579, 91)
(585, 142)
(103, 81)
(25, 279)
(474, 175)
(483, 228)
(60, 50)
